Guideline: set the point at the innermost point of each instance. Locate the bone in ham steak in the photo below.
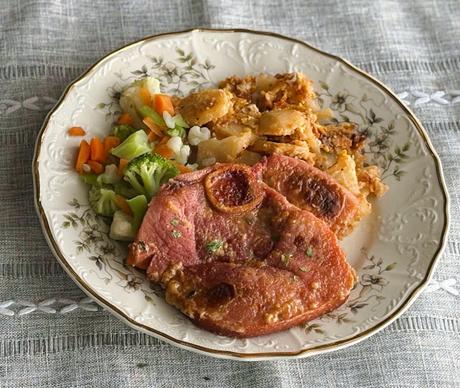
(236, 257)
(309, 188)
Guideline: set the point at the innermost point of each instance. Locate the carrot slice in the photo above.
(164, 140)
(76, 131)
(122, 166)
(145, 96)
(152, 136)
(97, 150)
(110, 142)
(125, 119)
(96, 167)
(163, 103)
(152, 126)
(83, 155)
(163, 150)
(182, 168)
(123, 205)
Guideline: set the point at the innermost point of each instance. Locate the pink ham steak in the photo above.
(236, 257)
(311, 189)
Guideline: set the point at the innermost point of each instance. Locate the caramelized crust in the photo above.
(312, 189)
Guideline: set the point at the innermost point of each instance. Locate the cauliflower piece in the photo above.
(121, 228)
(175, 144)
(183, 155)
(169, 120)
(196, 135)
(109, 176)
(181, 151)
(131, 101)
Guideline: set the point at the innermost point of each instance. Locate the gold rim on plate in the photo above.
(410, 298)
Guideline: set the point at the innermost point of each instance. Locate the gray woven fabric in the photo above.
(412, 46)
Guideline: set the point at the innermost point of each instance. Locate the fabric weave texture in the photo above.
(412, 46)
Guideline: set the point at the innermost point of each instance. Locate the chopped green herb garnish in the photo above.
(303, 269)
(175, 222)
(309, 251)
(214, 246)
(176, 234)
(285, 258)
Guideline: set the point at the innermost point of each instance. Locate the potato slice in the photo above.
(281, 122)
(248, 157)
(344, 172)
(265, 82)
(224, 150)
(243, 116)
(229, 129)
(297, 149)
(205, 106)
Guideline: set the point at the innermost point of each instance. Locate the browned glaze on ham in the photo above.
(236, 257)
(311, 189)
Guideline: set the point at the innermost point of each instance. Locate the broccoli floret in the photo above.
(123, 131)
(147, 172)
(135, 145)
(89, 179)
(109, 176)
(138, 206)
(124, 189)
(102, 201)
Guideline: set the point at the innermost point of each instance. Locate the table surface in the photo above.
(51, 335)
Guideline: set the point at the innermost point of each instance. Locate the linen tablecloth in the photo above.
(52, 336)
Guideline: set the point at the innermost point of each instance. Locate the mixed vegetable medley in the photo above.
(146, 147)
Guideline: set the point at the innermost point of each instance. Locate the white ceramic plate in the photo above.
(393, 251)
